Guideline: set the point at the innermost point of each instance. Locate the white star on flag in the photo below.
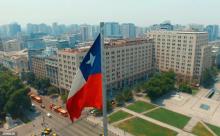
(91, 59)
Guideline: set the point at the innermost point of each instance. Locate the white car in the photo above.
(49, 115)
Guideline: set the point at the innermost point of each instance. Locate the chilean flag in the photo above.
(86, 89)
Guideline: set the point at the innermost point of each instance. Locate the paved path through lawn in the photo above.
(181, 132)
(191, 124)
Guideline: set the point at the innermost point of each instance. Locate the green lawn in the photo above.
(140, 106)
(200, 130)
(215, 129)
(140, 127)
(169, 117)
(195, 91)
(119, 115)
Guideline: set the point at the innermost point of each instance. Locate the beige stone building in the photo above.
(126, 62)
(17, 61)
(38, 66)
(185, 53)
(51, 64)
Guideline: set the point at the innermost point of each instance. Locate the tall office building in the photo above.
(112, 29)
(13, 29)
(186, 53)
(213, 31)
(1, 45)
(126, 61)
(128, 30)
(84, 30)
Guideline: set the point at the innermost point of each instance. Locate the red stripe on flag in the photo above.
(90, 95)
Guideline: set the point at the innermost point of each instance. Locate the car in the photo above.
(42, 106)
(49, 115)
(54, 134)
(47, 131)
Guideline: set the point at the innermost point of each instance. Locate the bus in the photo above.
(36, 98)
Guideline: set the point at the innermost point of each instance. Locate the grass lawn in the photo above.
(200, 130)
(169, 117)
(140, 127)
(195, 91)
(215, 129)
(119, 115)
(140, 106)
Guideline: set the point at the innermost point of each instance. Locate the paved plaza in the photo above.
(192, 105)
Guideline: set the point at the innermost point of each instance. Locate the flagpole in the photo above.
(105, 123)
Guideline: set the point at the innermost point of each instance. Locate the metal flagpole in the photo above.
(105, 126)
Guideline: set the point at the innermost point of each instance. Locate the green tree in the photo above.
(208, 76)
(128, 95)
(119, 100)
(52, 90)
(185, 88)
(18, 103)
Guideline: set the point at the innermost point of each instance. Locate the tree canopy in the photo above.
(160, 84)
(14, 97)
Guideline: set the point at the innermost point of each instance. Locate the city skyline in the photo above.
(93, 12)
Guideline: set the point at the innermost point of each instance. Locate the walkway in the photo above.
(181, 132)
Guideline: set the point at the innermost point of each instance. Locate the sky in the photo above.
(140, 12)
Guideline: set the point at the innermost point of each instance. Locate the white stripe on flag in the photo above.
(77, 83)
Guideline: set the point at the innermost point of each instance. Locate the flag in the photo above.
(86, 89)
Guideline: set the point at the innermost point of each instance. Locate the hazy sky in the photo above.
(140, 12)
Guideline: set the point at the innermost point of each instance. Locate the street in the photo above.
(59, 124)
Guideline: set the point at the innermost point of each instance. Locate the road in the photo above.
(59, 124)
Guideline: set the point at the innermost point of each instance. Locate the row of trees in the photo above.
(42, 85)
(209, 76)
(14, 97)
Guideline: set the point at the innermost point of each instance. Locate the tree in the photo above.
(52, 90)
(208, 76)
(18, 103)
(64, 97)
(128, 95)
(119, 100)
(160, 84)
(29, 77)
(185, 88)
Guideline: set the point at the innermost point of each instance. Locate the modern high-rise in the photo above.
(84, 30)
(186, 53)
(112, 29)
(128, 30)
(12, 45)
(126, 61)
(213, 31)
(1, 45)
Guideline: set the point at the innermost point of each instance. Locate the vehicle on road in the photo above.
(49, 115)
(36, 98)
(42, 106)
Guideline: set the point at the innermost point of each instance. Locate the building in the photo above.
(112, 29)
(126, 61)
(13, 29)
(166, 25)
(17, 61)
(38, 66)
(185, 53)
(51, 64)
(128, 30)
(32, 53)
(213, 31)
(12, 45)
(1, 45)
(84, 30)
(35, 44)
(215, 53)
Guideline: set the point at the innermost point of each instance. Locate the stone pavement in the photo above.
(191, 124)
